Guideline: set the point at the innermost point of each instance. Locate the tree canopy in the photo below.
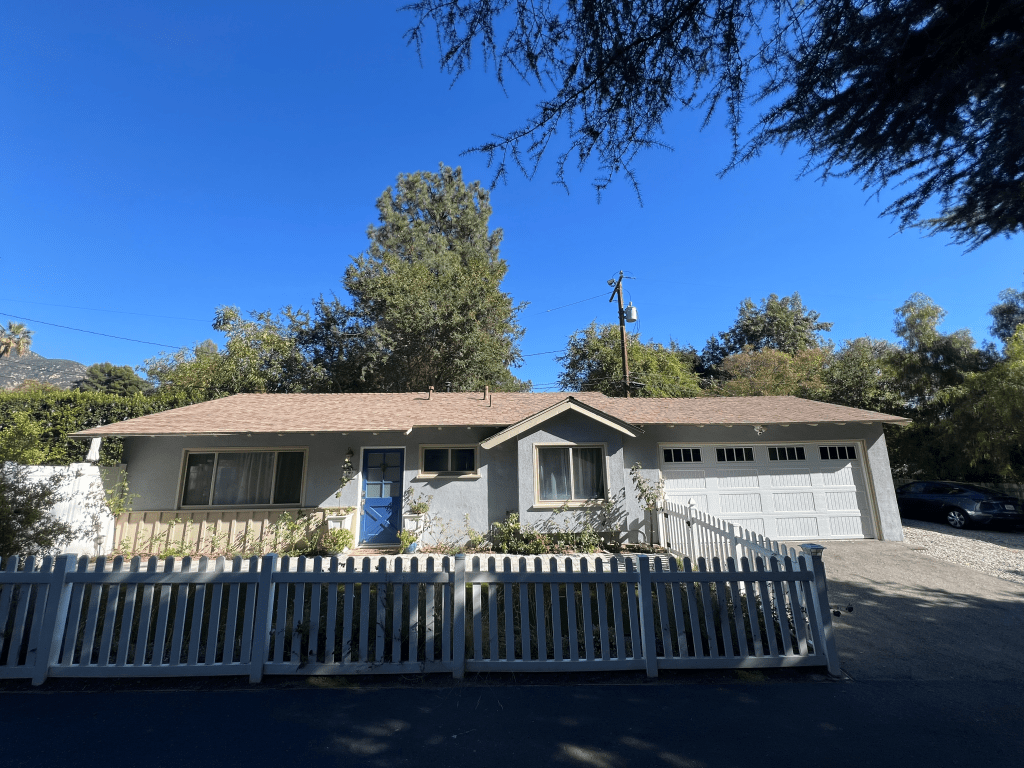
(907, 93)
(427, 307)
(592, 362)
(259, 355)
(782, 324)
(1007, 314)
(113, 379)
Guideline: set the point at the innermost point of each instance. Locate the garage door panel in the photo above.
(795, 527)
(841, 501)
(738, 478)
(850, 525)
(789, 479)
(683, 480)
(793, 502)
(838, 476)
(803, 497)
(740, 503)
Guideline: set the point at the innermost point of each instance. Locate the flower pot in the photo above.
(411, 548)
(338, 522)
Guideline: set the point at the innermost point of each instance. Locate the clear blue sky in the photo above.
(167, 158)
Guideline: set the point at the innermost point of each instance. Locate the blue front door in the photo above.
(382, 496)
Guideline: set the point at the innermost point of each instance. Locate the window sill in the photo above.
(447, 476)
(569, 504)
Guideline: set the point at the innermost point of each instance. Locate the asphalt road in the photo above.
(933, 676)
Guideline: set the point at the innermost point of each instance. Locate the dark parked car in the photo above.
(959, 504)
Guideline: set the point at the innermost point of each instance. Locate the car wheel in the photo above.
(957, 518)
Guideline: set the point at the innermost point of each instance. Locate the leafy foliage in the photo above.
(888, 91)
(1007, 314)
(427, 305)
(782, 324)
(27, 524)
(58, 413)
(593, 362)
(260, 355)
(16, 339)
(772, 372)
(113, 379)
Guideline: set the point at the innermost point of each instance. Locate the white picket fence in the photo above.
(328, 616)
(685, 531)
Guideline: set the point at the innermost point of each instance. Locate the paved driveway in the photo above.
(916, 617)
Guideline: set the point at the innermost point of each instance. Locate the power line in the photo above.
(552, 352)
(97, 309)
(82, 330)
(545, 311)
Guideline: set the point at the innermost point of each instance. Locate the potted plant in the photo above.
(415, 520)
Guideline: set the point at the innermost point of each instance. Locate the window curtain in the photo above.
(244, 478)
(588, 473)
(555, 482)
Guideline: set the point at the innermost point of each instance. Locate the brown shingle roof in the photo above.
(402, 411)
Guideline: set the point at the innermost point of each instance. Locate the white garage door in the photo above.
(783, 491)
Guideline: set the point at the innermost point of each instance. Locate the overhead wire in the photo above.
(94, 333)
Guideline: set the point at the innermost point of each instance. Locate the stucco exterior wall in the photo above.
(506, 472)
(574, 429)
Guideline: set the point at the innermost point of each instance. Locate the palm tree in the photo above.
(15, 340)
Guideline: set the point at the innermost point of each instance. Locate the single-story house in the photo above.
(784, 467)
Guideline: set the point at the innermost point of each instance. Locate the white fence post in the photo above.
(459, 617)
(264, 617)
(647, 617)
(820, 593)
(58, 597)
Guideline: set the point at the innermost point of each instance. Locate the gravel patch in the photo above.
(997, 553)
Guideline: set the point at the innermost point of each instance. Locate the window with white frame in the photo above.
(681, 455)
(242, 478)
(570, 473)
(786, 453)
(837, 452)
(448, 460)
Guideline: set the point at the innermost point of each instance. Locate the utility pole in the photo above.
(622, 330)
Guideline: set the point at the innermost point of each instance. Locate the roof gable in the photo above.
(570, 404)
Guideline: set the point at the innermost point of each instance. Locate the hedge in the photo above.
(63, 412)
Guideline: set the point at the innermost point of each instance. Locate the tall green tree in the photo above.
(783, 324)
(427, 307)
(864, 373)
(592, 362)
(1007, 314)
(913, 93)
(259, 355)
(773, 372)
(929, 360)
(113, 379)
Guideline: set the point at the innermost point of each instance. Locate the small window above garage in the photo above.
(837, 452)
(681, 455)
(786, 453)
(734, 454)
